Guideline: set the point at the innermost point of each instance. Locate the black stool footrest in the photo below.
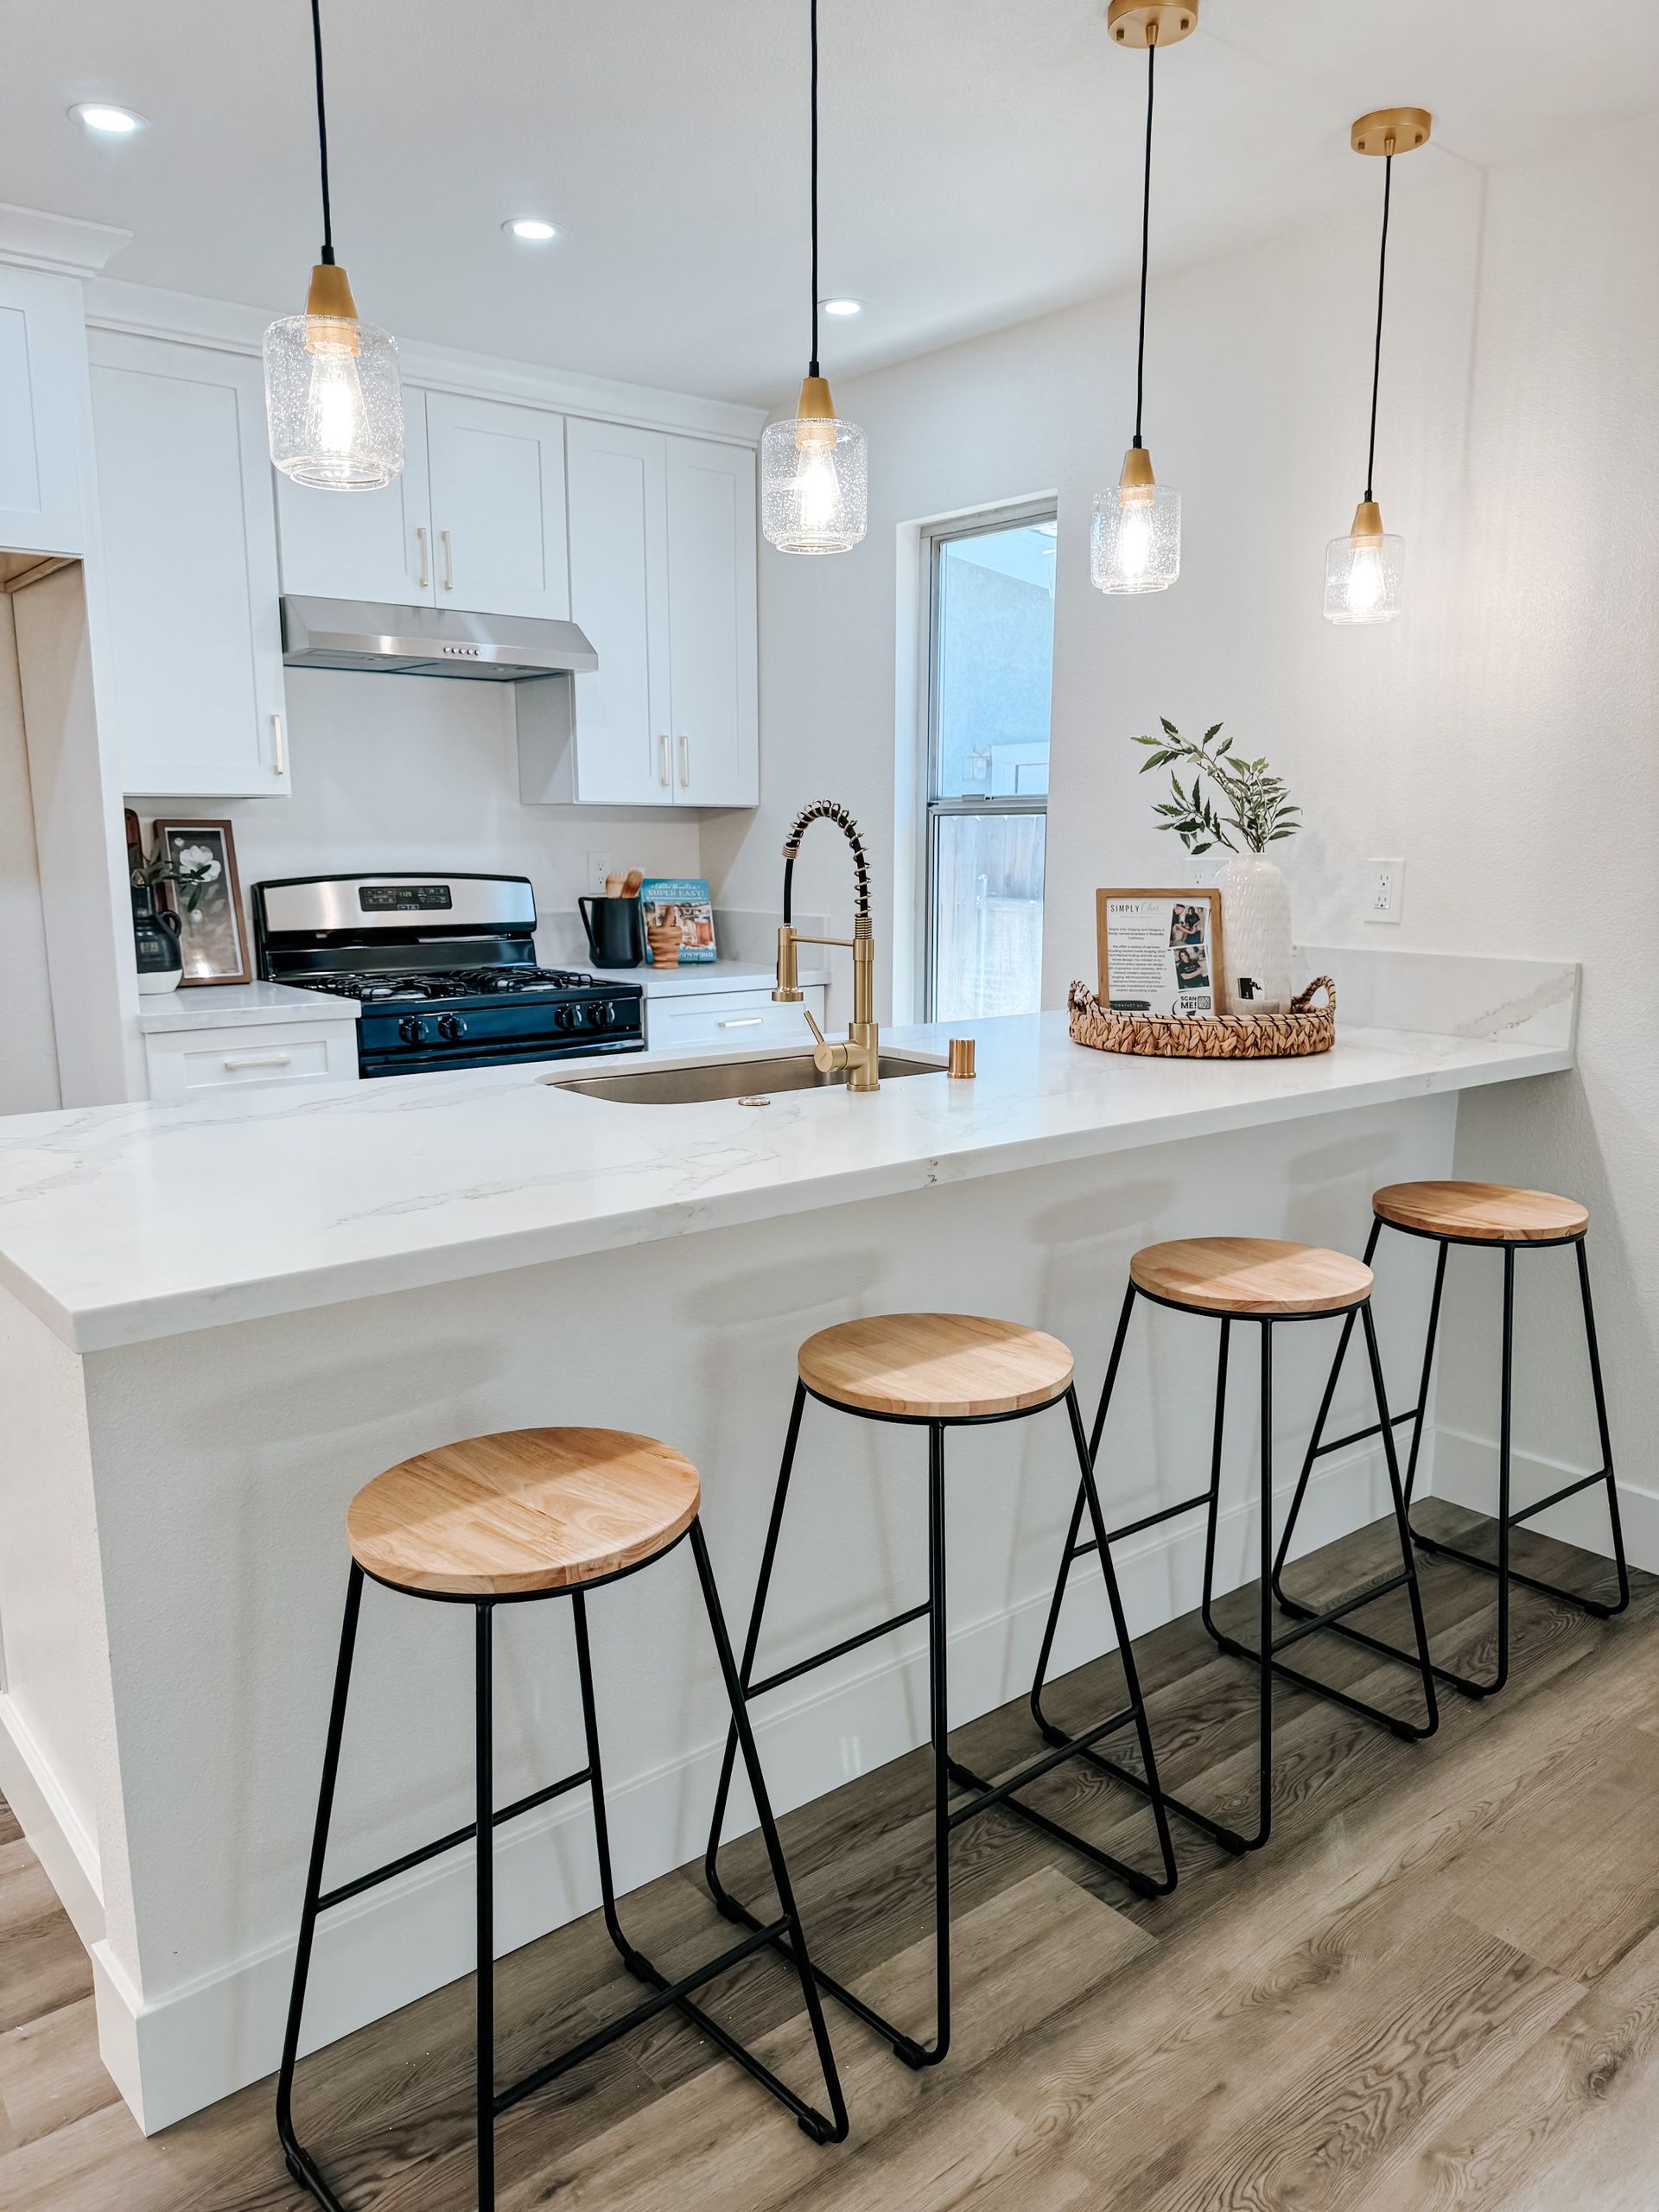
(665, 1994)
(355, 1889)
(913, 2053)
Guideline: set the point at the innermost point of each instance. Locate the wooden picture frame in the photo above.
(1154, 946)
(214, 939)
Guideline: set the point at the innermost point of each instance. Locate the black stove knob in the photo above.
(604, 1015)
(566, 1017)
(409, 1029)
(450, 1026)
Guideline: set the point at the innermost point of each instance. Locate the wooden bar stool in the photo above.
(940, 1371)
(1258, 1280)
(502, 1519)
(1482, 1214)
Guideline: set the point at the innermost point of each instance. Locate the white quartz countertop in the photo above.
(239, 1006)
(693, 976)
(122, 1224)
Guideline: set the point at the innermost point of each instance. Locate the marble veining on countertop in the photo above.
(121, 1224)
(239, 1006)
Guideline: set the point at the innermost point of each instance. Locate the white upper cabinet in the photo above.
(42, 411)
(497, 477)
(712, 656)
(618, 493)
(189, 537)
(662, 580)
(372, 545)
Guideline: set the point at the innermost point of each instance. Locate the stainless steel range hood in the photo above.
(359, 634)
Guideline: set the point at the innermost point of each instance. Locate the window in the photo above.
(991, 633)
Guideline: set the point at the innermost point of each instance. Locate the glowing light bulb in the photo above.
(1362, 571)
(814, 479)
(1136, 546)
(334, 397)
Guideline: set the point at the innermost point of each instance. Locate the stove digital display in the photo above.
(403, 898)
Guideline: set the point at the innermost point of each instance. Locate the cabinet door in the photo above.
(42, 342)
(498, 506)
(712, 650)
(619, 593)
(189, 532)
(374, 545)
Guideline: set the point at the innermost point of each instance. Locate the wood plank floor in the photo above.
(1436, 1988)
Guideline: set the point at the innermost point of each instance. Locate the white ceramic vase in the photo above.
(1255, 934)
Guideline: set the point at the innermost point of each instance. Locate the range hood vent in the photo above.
(363, 634)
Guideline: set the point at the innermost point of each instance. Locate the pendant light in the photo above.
(1137, 536)
(332, 391)
(1363, 570)
(814, 474)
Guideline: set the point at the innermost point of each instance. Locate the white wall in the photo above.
(28, 1061)
(406, 771)
(1500, 736)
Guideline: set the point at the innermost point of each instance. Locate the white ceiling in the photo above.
(981, 157)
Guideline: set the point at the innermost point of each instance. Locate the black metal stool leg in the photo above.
(484, 1815)
(939, 1728)
(1597, 1607)
(1219, 1831)
(1222, 1641)
(821, 2130)
(301, 2165)
(729, 1904)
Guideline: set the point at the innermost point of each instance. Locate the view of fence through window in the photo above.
(992, 611)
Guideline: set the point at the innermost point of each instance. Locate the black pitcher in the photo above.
(155, 941)
(616, 936)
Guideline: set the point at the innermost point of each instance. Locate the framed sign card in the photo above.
(1159, 951)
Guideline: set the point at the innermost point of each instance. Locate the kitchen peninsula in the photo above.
(218, 1319)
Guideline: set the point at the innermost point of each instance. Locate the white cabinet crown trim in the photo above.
(145, 311)
(62, 245)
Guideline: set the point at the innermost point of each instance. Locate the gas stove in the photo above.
(445, 969)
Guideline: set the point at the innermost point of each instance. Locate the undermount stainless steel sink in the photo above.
(745, 1079)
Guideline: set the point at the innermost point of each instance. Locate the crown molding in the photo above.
(59, 243)
(142, 311)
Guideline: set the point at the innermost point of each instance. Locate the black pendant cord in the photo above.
(322, 138)
(814, 368)
(1145, 235)
(1376, 356)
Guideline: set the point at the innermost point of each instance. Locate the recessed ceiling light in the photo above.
(531, 226)
(108, 121)
(842, 307)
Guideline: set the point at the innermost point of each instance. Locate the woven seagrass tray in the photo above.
(1305, 1029)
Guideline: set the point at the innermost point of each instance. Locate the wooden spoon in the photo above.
(632, 882)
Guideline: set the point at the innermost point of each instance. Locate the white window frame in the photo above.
(983, 524)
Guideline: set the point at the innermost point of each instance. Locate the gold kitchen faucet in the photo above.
(859, 1056)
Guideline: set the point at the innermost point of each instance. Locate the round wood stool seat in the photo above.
(935, 1366)
(1488, 1213)
(1250, 1276)
(529, 1508)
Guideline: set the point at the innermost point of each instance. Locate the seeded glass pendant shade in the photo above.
(815, 486)
(1136, 543)
(1363, 569)
(333, 398)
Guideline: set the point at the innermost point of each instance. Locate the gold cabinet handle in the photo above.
(685, 763)
(742, 1021)
(662, 769)
(278, 747)
(258, 1060)
(448, 560)
(423, 578)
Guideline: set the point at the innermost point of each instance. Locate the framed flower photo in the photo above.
(204, 891)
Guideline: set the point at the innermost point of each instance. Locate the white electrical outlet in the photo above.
(1385, 890)
(598, 866)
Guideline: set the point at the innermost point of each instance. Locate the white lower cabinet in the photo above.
(186, 1063)
(189, 536)
(732, 1020)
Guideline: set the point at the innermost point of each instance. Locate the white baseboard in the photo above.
(1465, 1472)
(394, 1944)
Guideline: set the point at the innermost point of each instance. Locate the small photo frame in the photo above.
(1160, 952)
(213, 938)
